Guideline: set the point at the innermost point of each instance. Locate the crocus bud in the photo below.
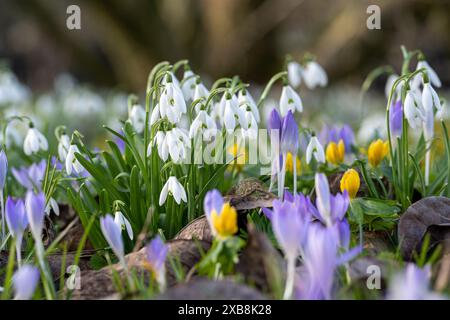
(25, 280)
(396, 118)
(35, 210)
(335, 152)
(16, 217)
(112, 233)
(350, 181)
(377, 151)
(289, 134)
(156, 252)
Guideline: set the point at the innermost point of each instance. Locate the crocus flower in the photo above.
(63, 147)
(32, 176)
(350, 181)
(137, 117)
(289, 144)
(290, 100)
(377, 151)
(35, 211)
(25, 280)
(156, 252)
(314, 75)
(17, 221)
(335, 152)
(412, 284)
(221, 216)
(3, 169)
(113, 235)
(175, 188)
(335, 134)
(123, 223)
(396, 118)
(315, 149)
(294, 70)
(34, 141)
(171, 102)
(290, 163)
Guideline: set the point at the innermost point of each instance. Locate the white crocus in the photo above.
(245, 98)
(203, 124)
(71, 161)
(315, 149)
(137, 117)
(52, 205)
(63, 146)
(171, 102)
(123, 223)
(290, 100)
(414, 112)
(432, 75)
(188, 85)
(314, 75)
(34, 141)
(231, 112)
(294, 70)
(175, 188)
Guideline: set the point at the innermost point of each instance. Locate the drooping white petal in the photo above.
(314, 75)
(294, 70)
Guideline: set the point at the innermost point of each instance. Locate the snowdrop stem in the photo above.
(290, 278)
(283, 176)
(279, 75)
(427, 167)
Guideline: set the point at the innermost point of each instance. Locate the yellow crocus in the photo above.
(335, 152)
(290, 163)
(377, 151)
(240, 156)
(350, 181)
(225, 223)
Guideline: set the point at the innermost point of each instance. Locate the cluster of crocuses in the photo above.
(317, 234)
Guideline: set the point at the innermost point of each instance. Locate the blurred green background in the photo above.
(121, 40)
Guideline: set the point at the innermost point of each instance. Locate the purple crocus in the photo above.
(289, 135)
(113, 235)
(30, 177)
(156, 252)
(213, 202)
(17, 221)
(396, 118)
(3, 169)
(25, 280)
(335, 134)
(35, 212)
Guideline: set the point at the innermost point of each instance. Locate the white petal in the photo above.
(164, 192)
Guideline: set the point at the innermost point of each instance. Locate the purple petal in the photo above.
(112, 233)
(213, 201)
(156, 252)
(25, 281)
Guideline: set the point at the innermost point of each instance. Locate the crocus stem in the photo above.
(278, 176)
(295, 173)
(290, 279)
(427, 167)
(3, 215)
(283, 176)
(19, 250)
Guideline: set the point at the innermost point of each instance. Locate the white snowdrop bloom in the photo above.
(159, 141)
(245, 98)
(252, 131)
(63, 146)
(175, 188)
(72, 164)
(188, 84)
(290, 100)
(178, 144)
(442, 113)
(137, 117)
(123, 223)
(430, 100)
(200, 92)
(155, 115)
(34, 141)
(83, 103)
(52, 205)
(314, 75)
(294, 70)
(203, 124)
(11, 90)
(232, 112)
(171, 102)
(173, 79)
(414, 112)
(432, 75)
(315, 149)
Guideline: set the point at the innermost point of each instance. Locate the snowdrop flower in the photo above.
(159, 141)
(177, 143)
(113, 235)
(294, 70)
(289, 100)
(52, 205)
(314, 75)
(71, 161)
(432, 75)
(35, 211)
(34, 141)
(245, 99)
(200, 91)
(123, 223)
(156, 254)
(188, 85)
(171, 102)
(315, 149)
(63, 146)
(203, 124)
(137, 117)
(155, 115)
(175, 188)
(252, 131)
(17, 221)
(25, 280)
(231, 112)
(414, 112)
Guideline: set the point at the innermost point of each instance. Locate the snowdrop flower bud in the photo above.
(200, 92)
(34, 141)
(123, 223)
(171, 102)
(252, 131)
(63, 146)
(3, 169)
(314, 75)
(174, 188)
(25, 280)
(231, 112)
(245, 98)
(294, 70)
(432, 75)
(315, 149)
(137, 117)
(203, 124)
(71, 161)
(414, 112)
(155, 115)
(35, 210)
(52, 205)
(188, 85)
(113, 235)
(289, 100)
